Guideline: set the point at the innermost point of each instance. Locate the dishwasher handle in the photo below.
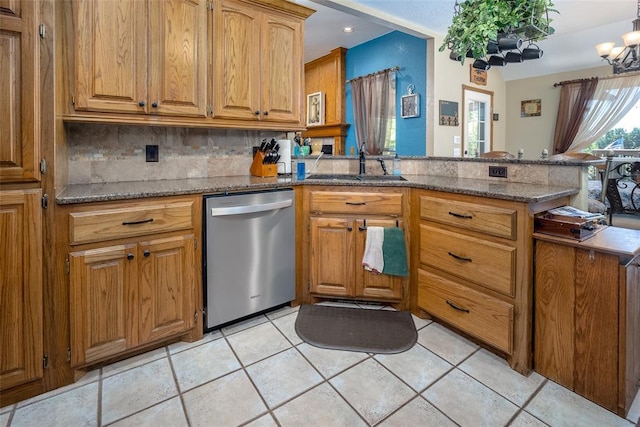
(245, 209)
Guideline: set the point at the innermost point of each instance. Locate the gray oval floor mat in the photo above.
(356, 329)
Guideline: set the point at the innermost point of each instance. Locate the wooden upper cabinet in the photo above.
(136, 56)
(111, 55)
(178, 62)
(281, 72)
(258, 63)
(21, 287)
(19, 76)
(236, 86)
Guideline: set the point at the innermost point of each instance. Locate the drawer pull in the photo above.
(461, 258)
(457, 215)
(349, 228)
(455, 307)
(355, 203)
(130, 256)
(142, 221)
(146, 253)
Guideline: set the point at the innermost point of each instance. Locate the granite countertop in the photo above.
(521, 192)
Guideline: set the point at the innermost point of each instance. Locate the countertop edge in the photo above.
(87, 193)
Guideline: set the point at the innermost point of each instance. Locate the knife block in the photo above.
(259, 169)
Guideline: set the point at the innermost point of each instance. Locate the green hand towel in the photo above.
(394, 252)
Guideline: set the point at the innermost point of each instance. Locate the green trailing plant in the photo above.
(476, 22)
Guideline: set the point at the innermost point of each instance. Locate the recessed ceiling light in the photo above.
(348, 30)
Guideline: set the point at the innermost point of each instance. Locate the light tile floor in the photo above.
(260, 373)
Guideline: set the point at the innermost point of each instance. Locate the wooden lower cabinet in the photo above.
(587, 311)
(167, 275)
(474, 258)
(135, 280)
(21, 334)
(337, 248)
(128, 295)
(104, 301)
(337, 222)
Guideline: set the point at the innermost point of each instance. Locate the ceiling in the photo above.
(579, 26)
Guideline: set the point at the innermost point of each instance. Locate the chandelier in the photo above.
(624, 58)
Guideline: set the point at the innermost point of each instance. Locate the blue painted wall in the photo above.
(409, 53)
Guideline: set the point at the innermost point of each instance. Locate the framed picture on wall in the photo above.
(448, 113)
(531, 108)
(315, 109)
(410, 106)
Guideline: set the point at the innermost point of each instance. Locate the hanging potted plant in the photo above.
(477, 23)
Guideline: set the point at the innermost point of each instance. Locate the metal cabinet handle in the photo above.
(349, 228)
(257, 113)
(460, 258)
(142, 221)
(355, 203)
(141, 103)
(266, 113)
(457, 215)
(455, 307)
(146, 253)
(154, 105)
(130, 256)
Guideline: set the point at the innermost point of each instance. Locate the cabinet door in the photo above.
(370, 284)
(281, 68)
(20, 287)
(19, 112)
(111, 55)
(167, 285)
(103, 302)
(236, 81)
(178, 58)
(332, 256)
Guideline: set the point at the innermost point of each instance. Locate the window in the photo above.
(624, 136)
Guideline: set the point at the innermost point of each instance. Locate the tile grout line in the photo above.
(178, 388)
(526, 402)
(244, 369)
(99, 411)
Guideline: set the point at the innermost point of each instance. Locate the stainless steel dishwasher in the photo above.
(249, 262)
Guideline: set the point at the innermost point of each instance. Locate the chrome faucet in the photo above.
(383, 166)
(361, 153)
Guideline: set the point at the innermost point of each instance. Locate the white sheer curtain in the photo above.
(612, 100)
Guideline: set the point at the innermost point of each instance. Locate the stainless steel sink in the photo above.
(347, 177)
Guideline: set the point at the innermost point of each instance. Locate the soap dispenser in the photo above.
(396, 165)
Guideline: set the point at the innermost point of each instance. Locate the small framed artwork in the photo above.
(315, 109)
(410, 106)
(448, 113)
(531, 108)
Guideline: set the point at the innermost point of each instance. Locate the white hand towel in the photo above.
(373, 259)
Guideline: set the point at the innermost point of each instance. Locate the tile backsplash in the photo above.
(111, 153)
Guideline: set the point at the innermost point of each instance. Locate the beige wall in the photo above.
(533, 134)
(511, 132)
(448, 78)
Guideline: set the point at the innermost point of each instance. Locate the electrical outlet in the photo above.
(152, 153)
(498, 171)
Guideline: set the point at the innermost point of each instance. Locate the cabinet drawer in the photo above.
(480, 315)
(492, 220)
(356, 202)
(489, 264)
(116, 223)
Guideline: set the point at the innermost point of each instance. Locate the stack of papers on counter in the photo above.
(575, 213)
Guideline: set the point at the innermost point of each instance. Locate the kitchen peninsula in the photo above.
(489, 200)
